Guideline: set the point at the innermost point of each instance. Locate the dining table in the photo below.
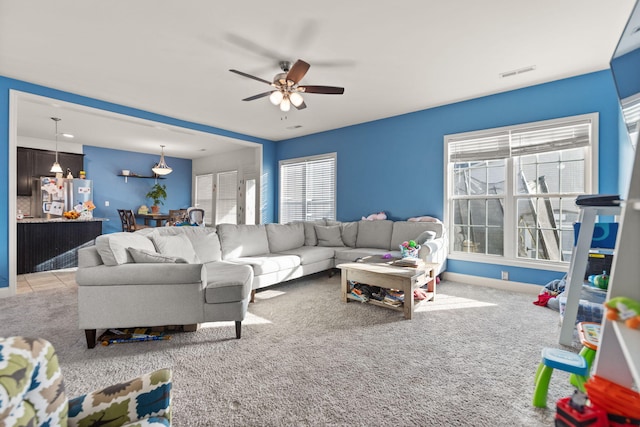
(158, 218)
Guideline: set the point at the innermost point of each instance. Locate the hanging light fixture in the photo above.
(162, 168)
(56, 168)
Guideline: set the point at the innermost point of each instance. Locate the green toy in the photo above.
(624, 309)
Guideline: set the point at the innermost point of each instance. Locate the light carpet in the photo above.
(307, 359)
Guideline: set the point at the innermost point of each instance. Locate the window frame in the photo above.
(300, 160)
(510, 224)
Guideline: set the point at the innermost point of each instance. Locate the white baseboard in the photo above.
(493, 283)
(7, 292)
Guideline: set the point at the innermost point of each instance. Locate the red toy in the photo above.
(573, 411)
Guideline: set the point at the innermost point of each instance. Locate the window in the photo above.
(204, 195)
(511, 191)
(308, 188)
(226, 198)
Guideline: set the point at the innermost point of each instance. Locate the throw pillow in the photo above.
(113, 247)
(145, 256)
(329, 235)
(177, 246)
(425, 236)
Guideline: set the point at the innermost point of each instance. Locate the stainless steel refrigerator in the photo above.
(54, 196)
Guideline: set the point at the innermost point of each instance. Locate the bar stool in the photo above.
(554, 358)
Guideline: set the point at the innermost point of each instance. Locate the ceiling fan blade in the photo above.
(297, 72)
(258, 96)
(301, 106)
(329, 90)
(251, 77)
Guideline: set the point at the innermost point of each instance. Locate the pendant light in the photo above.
(56, 168)
(162, 168)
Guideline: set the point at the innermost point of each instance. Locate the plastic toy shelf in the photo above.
(618, 357)
(578, 266)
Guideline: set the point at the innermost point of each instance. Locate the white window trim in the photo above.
(591, 187)
(333, 155)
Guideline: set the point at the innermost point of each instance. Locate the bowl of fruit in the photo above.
(71, 215)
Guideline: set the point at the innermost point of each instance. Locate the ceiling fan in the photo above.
(287, 90)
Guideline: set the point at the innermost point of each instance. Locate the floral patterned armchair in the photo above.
(32, 392)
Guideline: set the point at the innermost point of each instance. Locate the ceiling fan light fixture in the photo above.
(285, 105)
(276, 97)
(296, 99)
(162, 168)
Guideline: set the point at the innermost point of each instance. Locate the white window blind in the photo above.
(307, 188)
(520, 142)
(226, 198)
(204, 195)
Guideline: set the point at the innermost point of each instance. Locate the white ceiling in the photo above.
(172, 58)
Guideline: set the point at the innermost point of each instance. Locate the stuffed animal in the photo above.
(624, 309)
(424, 219)
(374, 216)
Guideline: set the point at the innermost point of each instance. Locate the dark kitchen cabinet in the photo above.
(53, 245)
(33, 163)
(25, 171)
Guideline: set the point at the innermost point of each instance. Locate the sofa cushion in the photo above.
(204, 240)
(283, 237)
(329, 235)
(227, 282)
(374, 234)
(243, 240)
(349, 232)
(178, 245)
(145, 256)
(113, 247)
(311, 254)
(268, 263)
(410, 230)
(310, 238)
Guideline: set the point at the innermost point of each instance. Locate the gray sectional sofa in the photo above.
(191, 275)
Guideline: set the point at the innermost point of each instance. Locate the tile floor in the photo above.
(46, 281)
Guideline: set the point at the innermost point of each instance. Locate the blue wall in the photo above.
(396, 164)
(103, 165)
(7, 84)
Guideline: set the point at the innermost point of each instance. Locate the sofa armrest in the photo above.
(141, 274)
(147, 397)
(431, 247)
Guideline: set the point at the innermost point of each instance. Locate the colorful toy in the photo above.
(374, 216)
(624, 309)
(600, 280)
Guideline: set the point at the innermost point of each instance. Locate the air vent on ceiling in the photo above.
(519, 71)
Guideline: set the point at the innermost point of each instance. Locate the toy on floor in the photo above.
(374, 216)
(624, 309)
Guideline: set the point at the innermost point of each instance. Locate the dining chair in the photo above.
(128, 220)
(177, 215)
(196, 215)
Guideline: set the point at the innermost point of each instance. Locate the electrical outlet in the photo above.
(106, 203)
(505, 275)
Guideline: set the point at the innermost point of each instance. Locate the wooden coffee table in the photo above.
(388, 276)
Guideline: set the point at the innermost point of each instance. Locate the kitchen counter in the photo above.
(45, 220)
(52, 244)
